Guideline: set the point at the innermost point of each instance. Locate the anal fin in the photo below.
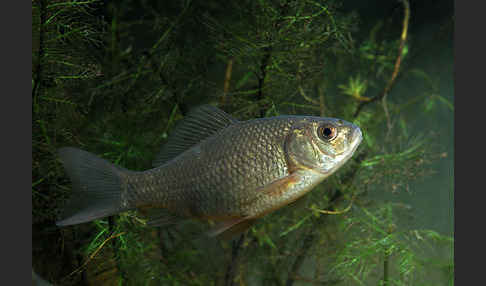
(229, 228)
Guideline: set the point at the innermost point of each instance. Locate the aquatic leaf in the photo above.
(272, 111)
(37, 182)
(404, 51)
(446, 102)
(243, 80)
(295, 226)
(403, 126)
(369, 139)
(429, 104)
(269, 241)
(94, 242)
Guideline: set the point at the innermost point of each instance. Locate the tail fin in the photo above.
(96, 187)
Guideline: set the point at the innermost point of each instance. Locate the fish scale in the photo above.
(228, 170)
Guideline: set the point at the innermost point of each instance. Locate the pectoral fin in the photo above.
(273, 192)
(277, 194)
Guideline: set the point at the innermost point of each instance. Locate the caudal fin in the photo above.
(96, 187)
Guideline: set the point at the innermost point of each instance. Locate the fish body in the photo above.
(216, 167)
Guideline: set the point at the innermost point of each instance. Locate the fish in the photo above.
(214, 168)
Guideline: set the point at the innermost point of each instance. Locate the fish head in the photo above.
(322, 144)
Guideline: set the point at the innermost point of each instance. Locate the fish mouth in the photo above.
(357, 138)
(355, 142)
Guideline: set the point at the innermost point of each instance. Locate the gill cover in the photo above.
(320, 144)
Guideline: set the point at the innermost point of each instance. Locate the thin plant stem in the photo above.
(235, 258)
(383, 95)
(92, 255)
(227, 80)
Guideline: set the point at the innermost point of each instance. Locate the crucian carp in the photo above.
(214, 167)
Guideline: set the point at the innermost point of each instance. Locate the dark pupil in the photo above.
(327, 132)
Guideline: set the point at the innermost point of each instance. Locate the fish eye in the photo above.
(327, 132)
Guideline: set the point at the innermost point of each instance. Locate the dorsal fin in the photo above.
(197, 125)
